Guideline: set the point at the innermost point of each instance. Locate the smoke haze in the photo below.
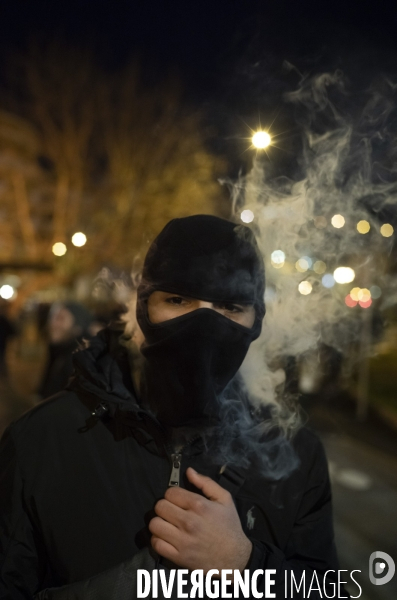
(348, 162)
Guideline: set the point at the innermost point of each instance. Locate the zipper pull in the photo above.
(176, 470)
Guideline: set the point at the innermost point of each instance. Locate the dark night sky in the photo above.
(228, 54)
(201, 39)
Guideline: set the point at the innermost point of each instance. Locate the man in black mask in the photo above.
(200, 305)
(100, 476)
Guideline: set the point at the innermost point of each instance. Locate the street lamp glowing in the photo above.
(261, 140)
(79, 239)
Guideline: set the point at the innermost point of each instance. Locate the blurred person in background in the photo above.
(68, 324)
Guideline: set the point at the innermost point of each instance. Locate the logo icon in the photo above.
(250, 518)
(381, 563)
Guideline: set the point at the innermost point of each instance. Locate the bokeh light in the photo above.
(376, 292)
(247, 216)
(59, 249)
(7, 292)
(79, 239)
(302, 265)
(349, 301)
(338, 221)
(387, 230)
(277, 259)
(305, 287)
(328, 280)
(354, 293)
(344, 275)
(261, 140)
(319, 267)
(363, 226)
(365, 304)
(364, 295)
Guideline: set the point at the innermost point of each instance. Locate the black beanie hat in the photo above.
(206, 257)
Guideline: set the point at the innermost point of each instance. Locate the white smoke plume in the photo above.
(349, 166)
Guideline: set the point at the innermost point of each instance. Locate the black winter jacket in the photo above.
(77, 493)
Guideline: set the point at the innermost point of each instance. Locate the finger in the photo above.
(183, 498)
(163, 548)
(165, 531)
(212, 490)
(170, 512)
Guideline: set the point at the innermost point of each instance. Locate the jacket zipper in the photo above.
(176, 458)
(176, 470)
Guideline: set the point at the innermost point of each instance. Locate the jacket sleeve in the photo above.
(118, 583)
(310, 551)
(20, 547)
(23, 559)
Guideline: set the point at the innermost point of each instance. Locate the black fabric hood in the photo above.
(102, 381)
(102, 370)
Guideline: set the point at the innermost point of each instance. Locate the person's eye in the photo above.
(230, 308)
(176, 300)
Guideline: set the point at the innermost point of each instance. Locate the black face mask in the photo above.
(189, 360)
